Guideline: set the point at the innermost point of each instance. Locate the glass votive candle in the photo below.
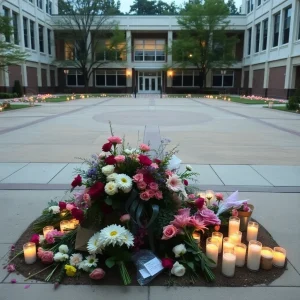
(197, 237)
(266, 260)
(63, 213)
(209, 195)
(46, 229)
(252, 231)
(236, 237)
(29, 253)
(228, 262)
(234, 225)
(240, 250)
(219, 237)
(212, 251)
(227, 244)
(254, 254)
(279, 257)
(65, 225)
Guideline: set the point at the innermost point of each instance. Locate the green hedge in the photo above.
(294, 101)
(8, 95)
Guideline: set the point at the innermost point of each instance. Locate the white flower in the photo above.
(179, 250)
(63, 249)
(41, 239)
(58, 257)
(174, 183)
(54, 209)
(129, 238)
(112, 235)
(111, 188)
(75, 259)
(124, 182)
(111, 177)
(91, 261)
(102, 155)
(189, 168)
(83, 266)
(178, 269)
(128, 151)
(93, 245)
(107, 170)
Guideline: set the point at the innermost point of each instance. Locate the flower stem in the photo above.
(124, 273)
(50, 275)
(37, 272)
(15, 256)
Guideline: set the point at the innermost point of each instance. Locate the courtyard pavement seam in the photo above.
(217, 174)
(261, 175)
(57, 173)
(14, 172)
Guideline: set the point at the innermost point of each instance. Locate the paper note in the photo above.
(153, 266)
(144, 273)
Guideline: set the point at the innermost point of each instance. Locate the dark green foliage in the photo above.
(153, 7)
(8, 95)
(17, 89)
(294, 101)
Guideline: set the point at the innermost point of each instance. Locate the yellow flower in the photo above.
(70, 270)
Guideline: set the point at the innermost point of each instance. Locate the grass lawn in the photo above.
(58, 99)
(18, 106)
(283, 108)
(248, 101)
(64, 98)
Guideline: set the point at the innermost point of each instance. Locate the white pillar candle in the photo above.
(252, 231)
(266, 258)
(234, 225)
(254, 254)
(228, 263)
(46, 229)
(219, 237)
(227, 244)
(240, 252)
(29, 253)
(212, 249)
(236, 237)
(279, 256)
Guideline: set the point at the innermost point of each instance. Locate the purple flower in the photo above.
(208, 217)
(13, 281)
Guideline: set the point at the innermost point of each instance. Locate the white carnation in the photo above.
(63, 249)
(128, 151)
(111, 188)
(189, 168)
(107, 170)
(83, 266)
(41, 239)
(54, 209)
(179, 250)
(111, 177)
(59, 257)
(178, 269)
(102, 155)
(75, 259)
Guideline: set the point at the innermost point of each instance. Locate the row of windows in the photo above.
(250, 5)
(41, 4)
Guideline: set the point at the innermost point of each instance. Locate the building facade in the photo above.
(267, 53)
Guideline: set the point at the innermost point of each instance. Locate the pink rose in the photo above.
(144, 196)
(158, 195)
(191, 196)
(70, 206)
(86, 198)
(154, 165)
(168, 173)
(142, 185)
(153, 186)
(138, 177)
(208, 217)
(144, 147)
(120, 158)
(97, 274)
(47, 257)
(115, 140)
(234, 213)
(169, 232)
(219, 196)
(11, 268)
(125, 218)
(35, 238)
(151, 193)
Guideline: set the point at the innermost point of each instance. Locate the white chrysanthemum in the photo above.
(129, 238)
(83, 266)
(93, 244)
(111, 188)
(63, 249)
(124, 182)
(91, 261)
(41, 239)
(112, 235)
(58, 257)
(188, 167)
(107, 170)
(111, 177)
(75, 259)
(54, 209)
(128, 151)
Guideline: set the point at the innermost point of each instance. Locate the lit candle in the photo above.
(65, 225)
(227, 244)
(266, 258)
(209, 195)
(279, 256)
(197, 237)
(234, 225)
(29, 253)
(236, 237)
(252, 231)
(47, 229)
(228, 263)
(240, 252)
(63, 213)
(254, 254)
(212, 249)
(219, 237)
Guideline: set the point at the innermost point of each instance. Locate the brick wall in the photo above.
(258, 82)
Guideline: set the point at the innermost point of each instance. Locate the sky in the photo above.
(125, 4)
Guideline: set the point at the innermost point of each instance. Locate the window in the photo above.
(276, 30)
(39, 4)
(149, 50)
(249, 6)
(105, 52)
(265, 34)
(47, 6)
(257, 37)
(16, 29)
(50, 8)
(286, 25)
(25, 27)
(187, 78)
(41, 38)
(223, 78)
(69, 50)
(249, 41)
(75, 78)
(32, 34)
(258, 2)
(49, 41)
(6, 14)
(110, 78)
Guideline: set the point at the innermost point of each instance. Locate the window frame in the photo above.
(149, 48)
(15, 28)
(257, 37)
(265, 30)
(286, 19)
(215, 73)
(73, 72)
(249, 41)
(39, 4)
(276, 29)
(32, 34)
(41, 38)
(26, 32)
(185, 73)
(7, 15)
(49, 34)
(116, 73)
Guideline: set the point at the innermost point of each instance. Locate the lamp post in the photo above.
(223, 72)
(66, 74)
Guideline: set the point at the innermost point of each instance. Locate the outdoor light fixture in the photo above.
(170, 73)
(66, 72)
(128, 73)
(223, 72)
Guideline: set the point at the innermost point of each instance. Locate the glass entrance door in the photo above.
(150, 84)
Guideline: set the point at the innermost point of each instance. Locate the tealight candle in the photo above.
(234, 225)
(227, 244)
(252, 231)
(254, 254)
(240, 252)
(212, 249)
(73, 223)
(209, 195)
(266, 258)
(63, 213)
(219, 237)
(228, 263)
(46, 229)
(279, 256)
(65, 225)
(236, 237)
(197, 237)
(29, 253)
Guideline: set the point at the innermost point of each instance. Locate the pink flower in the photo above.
(87, 199)
(219, 196)
(168, 173)
(154, 165)
(11, 268)
(144, 196)
(35, 238)
(97, 274)
(199, 225)
(246, 207)
(217, 227)
(185, 182)
(167, 262)
(153, 186)
(169, 232)
(184, 212)
(151, 193)
(199, 203)
(144, 147)
(13, 281)
(208, 217)
(191, 196)
(158, 195)
(46, 257)
(138, 177)
(174, 183)
(120, 158)
(115, 140)
(142, 185)
(51, 235)
(70, 206)
(234, 213)
(181, 221)
(125, 218)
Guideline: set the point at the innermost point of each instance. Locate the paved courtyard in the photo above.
(232, 146)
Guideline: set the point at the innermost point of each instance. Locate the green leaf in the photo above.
(191, 265)
(110, 262)
(108, 201)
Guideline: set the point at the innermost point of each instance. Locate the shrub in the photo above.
(294, 101)
(8, 95)
(18, 88)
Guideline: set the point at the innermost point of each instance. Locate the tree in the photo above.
(111, 7)
(232, 8)
(202, 41)
(92, 39)
(10, 53)
(153, 7)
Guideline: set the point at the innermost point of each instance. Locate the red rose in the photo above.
(145, 160)
(35, 239)
(106, 147)
(110, 160)
(96, 190)
(62, 205)
(77, 181)
(185, 182)
(167, 263)
(157, 161)
(78, 214)
(199, 203)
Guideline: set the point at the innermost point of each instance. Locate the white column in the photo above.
(288, 74)
(242, 78)
(170, 42)
(128, 48)
(266, 76)
(250, 76)
(208, 81)
(90, 58)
